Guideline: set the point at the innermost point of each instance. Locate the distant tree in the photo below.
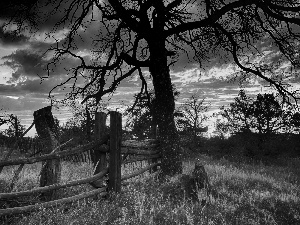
(264, 115)
(191, 117)
(6, 118)
(268, 114)
(237, 116)
(15, 129)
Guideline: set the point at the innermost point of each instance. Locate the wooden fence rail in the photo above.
(57, 155)
(77, 150)
(53, 186)
(55, 203)
(127, 150)
(141, 158)
(142, 151)
(139, 172)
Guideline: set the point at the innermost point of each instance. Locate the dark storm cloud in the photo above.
(29, 63)
(26, 63)
(11, 38)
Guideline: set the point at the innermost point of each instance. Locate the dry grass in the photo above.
(247, 194)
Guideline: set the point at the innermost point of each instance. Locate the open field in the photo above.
(247, 194)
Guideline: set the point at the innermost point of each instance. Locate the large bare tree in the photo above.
(152, 34)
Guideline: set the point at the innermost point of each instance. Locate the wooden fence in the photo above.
(106, 144)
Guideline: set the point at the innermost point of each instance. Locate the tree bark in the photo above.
(48, 133)
(164, 106)
(88, 124)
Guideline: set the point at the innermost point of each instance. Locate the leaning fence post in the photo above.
(115, 152)
(47, 131)
(98, 157)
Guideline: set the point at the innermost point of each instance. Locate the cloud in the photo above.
(32, 64)
(36, 88)
(8, 38)
(22, 103)
(26, 63)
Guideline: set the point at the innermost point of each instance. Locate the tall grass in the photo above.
(247, 194)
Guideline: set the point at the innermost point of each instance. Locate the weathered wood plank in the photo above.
(136, 159)
(129, 150)
(144, 144)
(139, 145)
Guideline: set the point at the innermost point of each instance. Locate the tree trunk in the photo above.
(88, 124)
(164, 106)
(154, 135)
(47, 131)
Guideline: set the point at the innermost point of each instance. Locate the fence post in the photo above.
(115, 152)
(99, 158)
(47, 131)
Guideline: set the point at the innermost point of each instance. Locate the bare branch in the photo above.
(209, 21)
(234, 49)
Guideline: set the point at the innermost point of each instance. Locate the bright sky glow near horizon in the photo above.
(22, 91)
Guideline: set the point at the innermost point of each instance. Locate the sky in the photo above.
(25, 84)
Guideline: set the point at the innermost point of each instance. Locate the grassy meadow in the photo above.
(247, 193)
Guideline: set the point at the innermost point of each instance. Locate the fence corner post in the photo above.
(115, 152)
(47, 131)
(98, 157)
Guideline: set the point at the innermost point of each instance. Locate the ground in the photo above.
(247, 193)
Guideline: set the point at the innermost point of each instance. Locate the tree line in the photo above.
(264, 114)
(259, 118)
